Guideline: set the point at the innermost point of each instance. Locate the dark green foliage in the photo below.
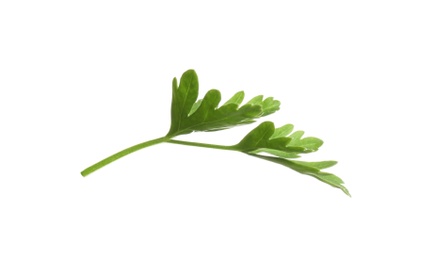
(189, 114)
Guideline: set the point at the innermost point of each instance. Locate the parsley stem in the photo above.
(122, 153)
(214, 146)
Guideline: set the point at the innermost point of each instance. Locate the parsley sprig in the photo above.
(279, 145)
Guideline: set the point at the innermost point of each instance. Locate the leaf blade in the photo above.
(262, 139)
(184, 97)
(236, 98)
(325, 177)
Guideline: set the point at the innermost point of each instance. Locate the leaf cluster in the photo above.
(279, 145)
(189, 114)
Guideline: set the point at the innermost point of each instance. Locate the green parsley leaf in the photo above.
(190, 114)
(310, 168)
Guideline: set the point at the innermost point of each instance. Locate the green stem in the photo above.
(134, 148)
(123, 153)
(214, 146)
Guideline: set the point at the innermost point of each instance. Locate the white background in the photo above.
(80, 80)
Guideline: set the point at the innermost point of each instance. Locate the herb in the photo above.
(279, 145)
